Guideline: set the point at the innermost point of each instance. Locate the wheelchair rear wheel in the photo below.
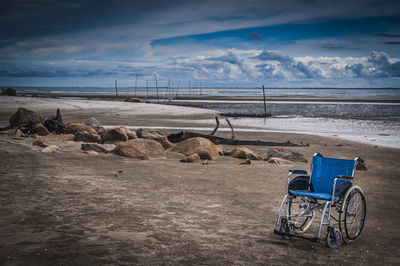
(352, 215)
(302, 222)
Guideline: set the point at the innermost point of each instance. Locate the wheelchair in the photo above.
(329, 191)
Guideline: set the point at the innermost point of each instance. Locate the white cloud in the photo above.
(233, 67)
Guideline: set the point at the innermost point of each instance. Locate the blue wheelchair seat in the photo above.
(323, 173)
(315, 195)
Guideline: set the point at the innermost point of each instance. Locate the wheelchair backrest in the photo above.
(325, 170)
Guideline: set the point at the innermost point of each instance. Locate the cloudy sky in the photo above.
(238, 43)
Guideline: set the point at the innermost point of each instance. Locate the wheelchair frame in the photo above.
(285, 226)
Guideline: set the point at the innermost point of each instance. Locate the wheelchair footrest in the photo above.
(313, 239)
(279, 233)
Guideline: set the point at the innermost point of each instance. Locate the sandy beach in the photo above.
(69, 207)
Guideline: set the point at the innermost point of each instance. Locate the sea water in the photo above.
(365, 93)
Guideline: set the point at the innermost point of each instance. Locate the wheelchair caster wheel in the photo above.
(333, 238)
(287, 229)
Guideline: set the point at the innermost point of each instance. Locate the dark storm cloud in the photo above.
(229, 57)
(56, 73)
(21, 19)
(331, 46)
(274, 56)
(255, 36)
(388, 35)
(392, 43)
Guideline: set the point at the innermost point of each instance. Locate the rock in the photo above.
(73, 128)
(144, 149)
(133, 100)
(88, 137)
(40, 129)
(293, 156)
(106, 148)
(24, 117)
(91, 152)
(10, 131)
(50, 149)
(117, 133)
(95, 124)
(55, 123)
(174, 155)
(83, 132)
(191, 159)
(62, 137)
(154, 135)
(241, 161)
(18, 133)
(131, 134)
(277, 160)
(201, 146)
(247, 161)
(205, 162)
(39, 143)
(244, 153)
(220, 149)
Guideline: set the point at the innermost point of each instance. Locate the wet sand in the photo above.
(73, 208)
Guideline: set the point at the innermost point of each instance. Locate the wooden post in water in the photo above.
(147, 89)
(155, 76)
(135, 84)
(116, 90)
(265, 106)
(177, 89)
(167, 90)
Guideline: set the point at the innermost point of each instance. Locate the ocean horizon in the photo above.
(347, 93)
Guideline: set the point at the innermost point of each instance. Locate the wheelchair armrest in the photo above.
(298, 172)
(345, 177)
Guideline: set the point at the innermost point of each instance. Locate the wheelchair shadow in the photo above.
(295, 243)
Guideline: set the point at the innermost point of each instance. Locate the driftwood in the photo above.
(216, 126)
(230, 125)
(181, 136)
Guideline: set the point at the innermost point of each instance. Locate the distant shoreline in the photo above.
(162, 98)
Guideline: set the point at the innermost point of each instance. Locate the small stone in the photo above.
(205, 162)
(106, 148)
(91, 152)
(131, 134)
(40, 129)
(50, 149)
(39, 143)
(191, 158)
(244, 153)
(247, 161)
(18, 133)
(117, 133)
(276, 160)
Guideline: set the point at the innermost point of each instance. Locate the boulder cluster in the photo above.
(142, 144)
